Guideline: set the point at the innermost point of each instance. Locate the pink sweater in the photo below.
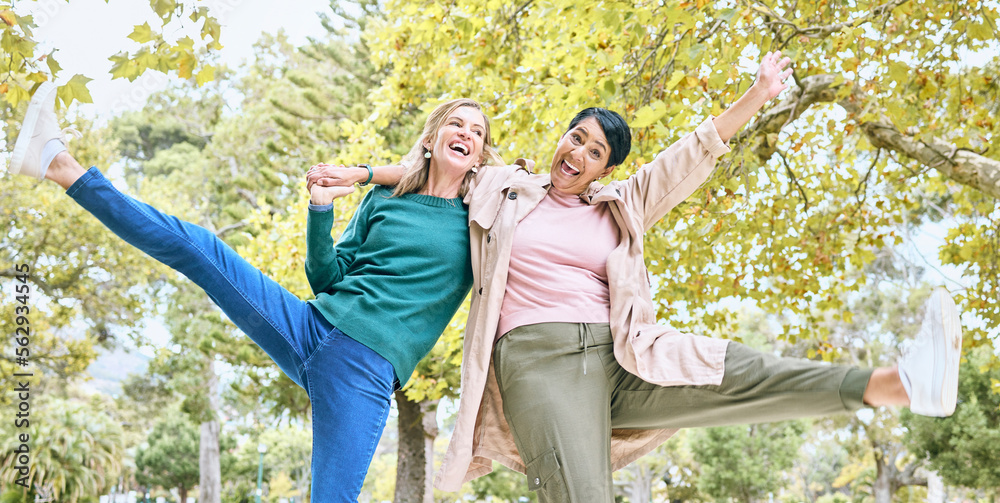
(558, 264)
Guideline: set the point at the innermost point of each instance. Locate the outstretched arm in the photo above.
(770, 82)
(327, 175)
(680, 169)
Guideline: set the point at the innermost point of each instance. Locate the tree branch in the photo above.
(961, 165)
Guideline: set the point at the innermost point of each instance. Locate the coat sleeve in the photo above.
(674, 174)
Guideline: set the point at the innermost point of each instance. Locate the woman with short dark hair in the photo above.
(566, 375)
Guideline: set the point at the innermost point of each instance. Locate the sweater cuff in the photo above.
(321, 208)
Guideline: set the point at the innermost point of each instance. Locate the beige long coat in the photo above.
(656, 353)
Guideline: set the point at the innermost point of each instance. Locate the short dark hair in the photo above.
(615, 130)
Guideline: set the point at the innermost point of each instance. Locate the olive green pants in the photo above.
(563, 392)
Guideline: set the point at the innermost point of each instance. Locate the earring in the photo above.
(427, 154)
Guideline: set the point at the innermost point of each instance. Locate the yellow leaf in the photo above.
(207, 74)
(675, 78)
(16, 94)
(185, 65)
(3, 88)
(142, 33)
(8, 17)
(649, 114)
(75, 89)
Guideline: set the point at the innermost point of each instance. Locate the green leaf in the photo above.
(981, 31)
(899, 72)
(211, 28)
(52, 64)
(695, 52)
(123, 67)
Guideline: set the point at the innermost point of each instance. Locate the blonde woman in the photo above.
(383, 294)
(566, 374)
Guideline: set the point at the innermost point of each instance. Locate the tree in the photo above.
(746, 462)
(963, 448)
(882, 125)
(502, 484)
(75, 452)
(169, 457)
(669, 473)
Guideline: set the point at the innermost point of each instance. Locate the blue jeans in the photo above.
(350, 386)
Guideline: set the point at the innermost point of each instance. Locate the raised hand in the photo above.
(772, 74)
(770, 82)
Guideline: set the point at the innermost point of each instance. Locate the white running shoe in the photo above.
(929, 369)
(39, 127)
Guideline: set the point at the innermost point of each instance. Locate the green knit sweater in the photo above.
(397, 275)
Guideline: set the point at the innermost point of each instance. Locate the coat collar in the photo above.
(599, 193)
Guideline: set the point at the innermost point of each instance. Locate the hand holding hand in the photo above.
(325, 195)
(327, 175)
(772, 74)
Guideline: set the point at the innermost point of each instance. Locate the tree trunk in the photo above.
(415, 463)
(641, 489)
(883, 482)
(210, 471)
(935, 488)
(183, 492)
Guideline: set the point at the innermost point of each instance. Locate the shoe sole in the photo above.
(28, 127)
(948, 343)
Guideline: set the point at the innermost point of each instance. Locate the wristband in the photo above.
(370, 174)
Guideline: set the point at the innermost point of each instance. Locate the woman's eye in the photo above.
(596, 154)
(480, 133)
(576, 138)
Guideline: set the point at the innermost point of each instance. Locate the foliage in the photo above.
(746, 462)
(288, 457)
(169, 457)
(75, 450)
(963, 448)
(668, 473)
(502, 484)
(26, 68)
(812, 190)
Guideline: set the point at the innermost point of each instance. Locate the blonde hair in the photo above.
(418, 166)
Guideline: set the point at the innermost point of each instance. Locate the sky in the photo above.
(85, 33)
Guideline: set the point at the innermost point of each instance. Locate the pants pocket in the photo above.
(541, 469)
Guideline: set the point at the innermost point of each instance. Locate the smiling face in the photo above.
(457, 146)
(581, 157)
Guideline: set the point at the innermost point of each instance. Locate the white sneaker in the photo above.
(929, 369)
(39, 127)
